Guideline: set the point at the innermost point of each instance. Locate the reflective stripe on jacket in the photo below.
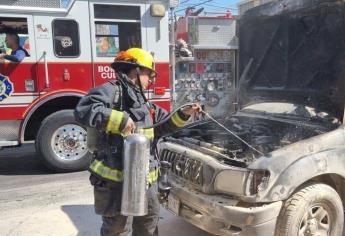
(117, 175)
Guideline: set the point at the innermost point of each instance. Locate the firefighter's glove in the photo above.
(129, 128)
(195, 109)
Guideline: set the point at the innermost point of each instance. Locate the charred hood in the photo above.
(294, 51)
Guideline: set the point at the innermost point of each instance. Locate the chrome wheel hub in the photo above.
(316, 222)
(69, 142)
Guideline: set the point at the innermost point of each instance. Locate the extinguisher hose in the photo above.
(169, 116)
(211, 118)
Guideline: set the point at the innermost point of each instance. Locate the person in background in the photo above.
(18, 53)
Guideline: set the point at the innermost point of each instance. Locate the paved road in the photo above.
(35, 202)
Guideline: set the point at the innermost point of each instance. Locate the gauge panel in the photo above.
(208, 79)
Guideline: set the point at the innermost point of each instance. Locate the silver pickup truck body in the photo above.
(290, 99)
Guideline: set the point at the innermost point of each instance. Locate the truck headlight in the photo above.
(231, 182)
(241, 182)
(257, 181)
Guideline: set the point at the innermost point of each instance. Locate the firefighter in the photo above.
(18, 53)
(117, 109)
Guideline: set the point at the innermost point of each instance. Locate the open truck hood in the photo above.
(294, 51)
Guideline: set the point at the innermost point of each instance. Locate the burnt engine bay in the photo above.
(263, 133)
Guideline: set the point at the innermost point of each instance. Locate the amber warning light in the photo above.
(159, 91)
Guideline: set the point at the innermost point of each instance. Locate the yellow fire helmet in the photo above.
(134, 57)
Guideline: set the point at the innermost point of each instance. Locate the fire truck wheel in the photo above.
(61, 143)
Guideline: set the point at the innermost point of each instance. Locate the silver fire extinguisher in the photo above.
(136, 161)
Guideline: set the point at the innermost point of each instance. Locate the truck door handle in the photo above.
(46, 72)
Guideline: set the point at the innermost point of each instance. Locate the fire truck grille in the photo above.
(183, 166)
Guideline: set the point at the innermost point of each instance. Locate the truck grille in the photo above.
(183, 166)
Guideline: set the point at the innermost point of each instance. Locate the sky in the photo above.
(64, 2)
(210, 5)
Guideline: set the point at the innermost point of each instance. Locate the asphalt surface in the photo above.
(33, 201)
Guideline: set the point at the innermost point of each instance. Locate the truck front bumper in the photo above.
(223, 216)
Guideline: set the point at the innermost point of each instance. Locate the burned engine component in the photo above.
(265, 135)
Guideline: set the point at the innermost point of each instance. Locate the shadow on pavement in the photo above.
(88, 223)
(84, 219)
(21, 161)
(171, 225)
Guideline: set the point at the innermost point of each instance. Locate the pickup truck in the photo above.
(279, 166)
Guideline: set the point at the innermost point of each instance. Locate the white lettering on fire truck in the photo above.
(106, 72)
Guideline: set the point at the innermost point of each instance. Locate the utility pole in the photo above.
(173, 4)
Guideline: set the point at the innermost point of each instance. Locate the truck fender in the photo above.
(40, 102)
(303, 170)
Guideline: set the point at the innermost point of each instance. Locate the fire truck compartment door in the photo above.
(64, 50)
(114, 27)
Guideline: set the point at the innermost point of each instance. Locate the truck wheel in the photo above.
(61, 143)
(314, 210)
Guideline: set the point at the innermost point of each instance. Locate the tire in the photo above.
(61, 143)
(324, 205)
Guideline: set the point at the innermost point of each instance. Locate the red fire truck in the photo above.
(70, 51)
